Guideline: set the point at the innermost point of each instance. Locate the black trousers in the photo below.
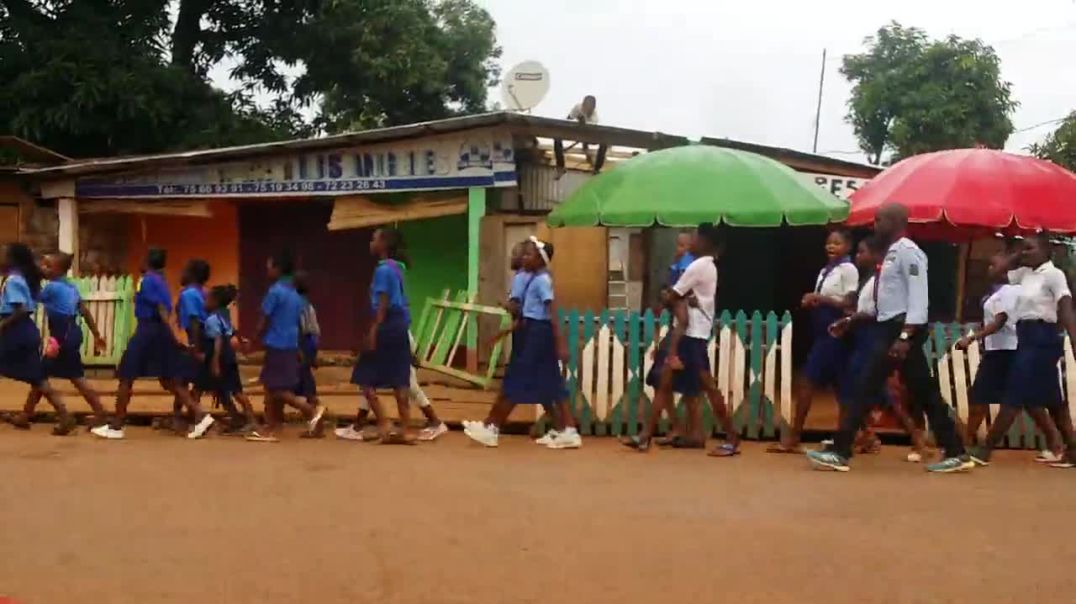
(599, 160)
(922, 387)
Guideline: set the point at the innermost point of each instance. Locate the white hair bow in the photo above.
(540, 245)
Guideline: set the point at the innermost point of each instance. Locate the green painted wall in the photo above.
(437, 248)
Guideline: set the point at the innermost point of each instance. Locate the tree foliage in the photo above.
(911, 94)
(104, 77)
(1060, 145)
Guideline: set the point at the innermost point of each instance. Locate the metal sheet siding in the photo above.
(542, 191)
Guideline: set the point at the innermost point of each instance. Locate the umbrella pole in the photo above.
(961, 279)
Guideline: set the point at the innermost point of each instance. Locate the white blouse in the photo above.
(1040, 291)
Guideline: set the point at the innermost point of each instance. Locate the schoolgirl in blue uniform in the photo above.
(278, 329)
(153, 352)
(191, 316)
(20, 340)
(221, 366)
(533, 374)
(834, 291)
(385, 357)
(63, 307)
(309, 334)
(1044, 312)
(998, 335)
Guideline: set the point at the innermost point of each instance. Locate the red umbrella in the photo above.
(964, 194)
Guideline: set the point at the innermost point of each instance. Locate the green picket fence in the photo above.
(610, 354)
(956, 371)
(110, 301)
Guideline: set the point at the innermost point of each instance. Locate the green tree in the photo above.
(1060, 145)
(912, 95)
(101, 77)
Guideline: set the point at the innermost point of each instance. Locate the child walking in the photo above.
(834, 291)
(1044, 308)
(685, 368)
(221, 365)
(278, 330)
(998, 335)
(309, 334)
(153, 352)
(63, 307)
(533, 375)
(20, 340)
(385, 356)
(191, 316)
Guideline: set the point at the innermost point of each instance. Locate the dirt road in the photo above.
(160, 519)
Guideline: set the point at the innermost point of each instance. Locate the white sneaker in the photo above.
(349, 433)
(1048, 456)
(914, 457)
(199, 430)
(484, 435)
(569, 439)
(827, 442)
(549, 437)
(432, 433)
(107, 432)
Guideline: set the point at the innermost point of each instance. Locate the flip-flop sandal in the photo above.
(256, 437)
(21, 422)
(639, 444)
(396, 438)
(783, 450)
(682, 442)
(65, 427)
(725, 450)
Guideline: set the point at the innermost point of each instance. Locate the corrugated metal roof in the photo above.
(519, 124)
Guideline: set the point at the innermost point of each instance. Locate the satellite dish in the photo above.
(525, 86)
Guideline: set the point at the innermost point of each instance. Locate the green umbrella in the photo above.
(686, 186)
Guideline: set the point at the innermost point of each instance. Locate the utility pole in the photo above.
(818, 109)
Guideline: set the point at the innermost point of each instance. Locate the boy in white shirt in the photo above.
(685, 367)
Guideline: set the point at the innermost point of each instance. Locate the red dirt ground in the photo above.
(161, 519)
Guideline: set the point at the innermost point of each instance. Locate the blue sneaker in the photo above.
(950, 465)
(828, 460)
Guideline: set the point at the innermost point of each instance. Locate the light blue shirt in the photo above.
(60, 297)
(902, 284)
(218, 325)
(534, 295)
(676, 269)
(519, 281)
(191, 306)
(282, 307)
(388, 280)
(16, 294)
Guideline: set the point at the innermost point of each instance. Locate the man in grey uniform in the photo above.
(900, 292)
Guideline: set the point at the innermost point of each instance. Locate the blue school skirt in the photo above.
(308, 386)
(533, 376)
(992, 378)
(280, 369)
(229, 382)
(20, 352)
(192, 372)
(864, 339)
(828, 357)
(68, 363)
(152, 352)
(696, 359)
(1033, 378)
(388, 365)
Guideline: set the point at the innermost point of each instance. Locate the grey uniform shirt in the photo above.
(902, 283)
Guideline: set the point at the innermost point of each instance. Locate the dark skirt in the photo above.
(863, 340)
(992, 377)
(694, 356)
(152, 352)
(280, 370)
(1034, 380)
(20, 352)
(192, 372)
(389, 364)
(228, 382)
(308, 386)
(533, 375)
(829, 355)
(67, 364)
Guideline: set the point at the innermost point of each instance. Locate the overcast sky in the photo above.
(749, 70)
